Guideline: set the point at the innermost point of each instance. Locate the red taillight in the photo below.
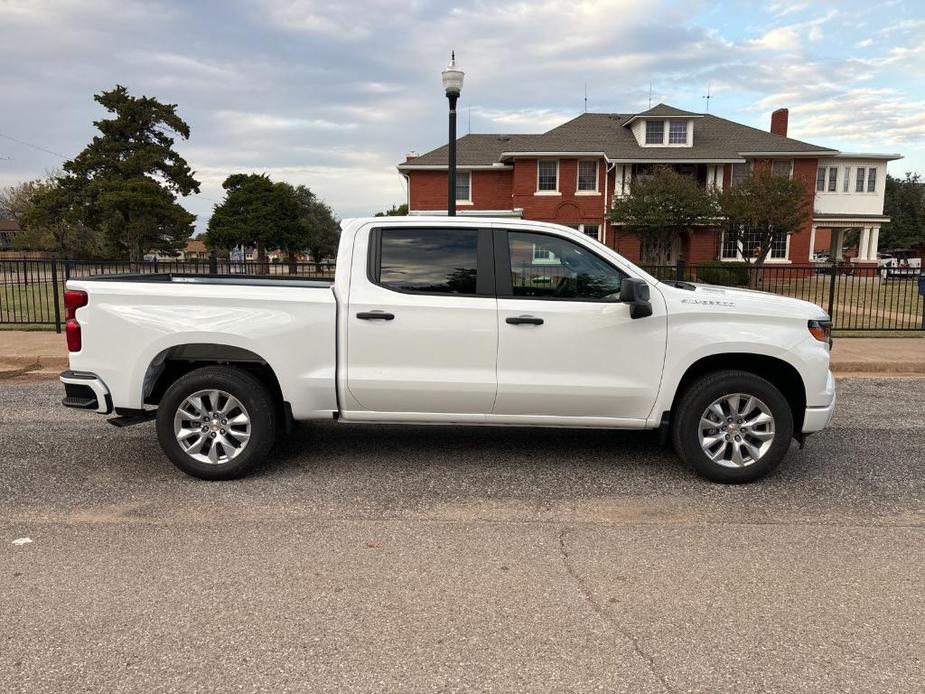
(72, 330)
(73, 300)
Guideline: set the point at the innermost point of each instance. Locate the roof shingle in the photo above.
(713, 138)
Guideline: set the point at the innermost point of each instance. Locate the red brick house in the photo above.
(571, 174)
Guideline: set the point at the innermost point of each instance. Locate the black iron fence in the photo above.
(858, 297)
(32, 291)
(861, 298)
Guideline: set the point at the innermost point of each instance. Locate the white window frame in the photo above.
(665, 141)
(820, 184)
(832, 181)
(645, 134)
(671, 122)
(546, 192)
(597, 175)
(466, 201)
(733, 181)
(581, 229)
(871, 180)
(860, 180)
(739, 259)
(789, 163)
(846, 188)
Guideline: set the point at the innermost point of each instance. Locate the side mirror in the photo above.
(635, 292)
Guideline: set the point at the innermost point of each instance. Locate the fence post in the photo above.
(832, 277)
(54, 289)
(679, 270)
(213, 264)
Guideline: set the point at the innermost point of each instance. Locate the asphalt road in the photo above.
(396, 559)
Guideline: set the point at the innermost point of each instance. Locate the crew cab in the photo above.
(451, 320)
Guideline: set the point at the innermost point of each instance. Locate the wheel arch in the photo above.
(175, 361)
(778, 372)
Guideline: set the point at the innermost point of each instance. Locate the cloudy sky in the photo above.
(332, 94)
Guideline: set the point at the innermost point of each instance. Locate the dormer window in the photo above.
(677, 132)
(655, 132)
(671, 132)
(663, 126)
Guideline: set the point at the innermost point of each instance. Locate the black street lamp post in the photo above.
(452, 85)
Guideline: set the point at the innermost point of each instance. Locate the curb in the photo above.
(12, 366)
(861, 367)
(41, 360)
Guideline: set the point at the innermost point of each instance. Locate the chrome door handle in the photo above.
(524, 320)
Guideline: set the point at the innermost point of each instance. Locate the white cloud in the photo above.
(781, 9)
(242, 121)
(528, 120)
(791, 37)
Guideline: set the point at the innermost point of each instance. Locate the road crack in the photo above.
(599, 610)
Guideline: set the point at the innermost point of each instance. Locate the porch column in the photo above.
(812, 243)
(874, 241)
(865, 241)
(838, 242)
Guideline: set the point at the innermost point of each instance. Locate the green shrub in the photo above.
(724, 274)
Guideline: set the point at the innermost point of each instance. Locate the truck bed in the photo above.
(202, 278)
(133, 322)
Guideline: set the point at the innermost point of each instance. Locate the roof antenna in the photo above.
(469, 115)
(650, 93)
(708, 97)
(586, 97)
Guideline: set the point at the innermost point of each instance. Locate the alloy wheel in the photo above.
(212, 426)
(736, 430)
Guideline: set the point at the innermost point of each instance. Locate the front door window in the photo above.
(550, 267)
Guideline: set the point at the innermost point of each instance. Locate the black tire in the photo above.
(685, 427)
(253, 396)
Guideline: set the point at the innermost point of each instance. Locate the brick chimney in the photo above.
(779, 121)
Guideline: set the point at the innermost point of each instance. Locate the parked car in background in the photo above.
(901, 258)
(452, 321)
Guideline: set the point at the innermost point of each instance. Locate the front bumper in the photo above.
(818, 418)
(85, 391)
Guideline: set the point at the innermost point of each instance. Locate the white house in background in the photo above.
(850, 195)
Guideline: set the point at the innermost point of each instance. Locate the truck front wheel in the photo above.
(732, 426)
(216, 423)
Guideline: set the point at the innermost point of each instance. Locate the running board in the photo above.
(128, 420)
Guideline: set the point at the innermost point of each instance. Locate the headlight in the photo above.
(821, 330)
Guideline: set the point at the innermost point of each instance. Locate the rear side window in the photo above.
(429, 261)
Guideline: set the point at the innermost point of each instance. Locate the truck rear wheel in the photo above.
(216, 423)
(732, 426)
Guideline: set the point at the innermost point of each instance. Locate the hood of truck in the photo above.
(733, 300)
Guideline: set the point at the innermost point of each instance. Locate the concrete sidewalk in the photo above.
(37, 352)
(41, 353)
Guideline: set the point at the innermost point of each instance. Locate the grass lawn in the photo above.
(859, 302)
(28, 304)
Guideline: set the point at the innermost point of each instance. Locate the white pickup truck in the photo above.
(451, 321)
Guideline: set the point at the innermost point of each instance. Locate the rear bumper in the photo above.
(85, 391)
(818, 418)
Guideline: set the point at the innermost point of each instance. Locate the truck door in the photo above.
(422, 323)
(566, 346)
